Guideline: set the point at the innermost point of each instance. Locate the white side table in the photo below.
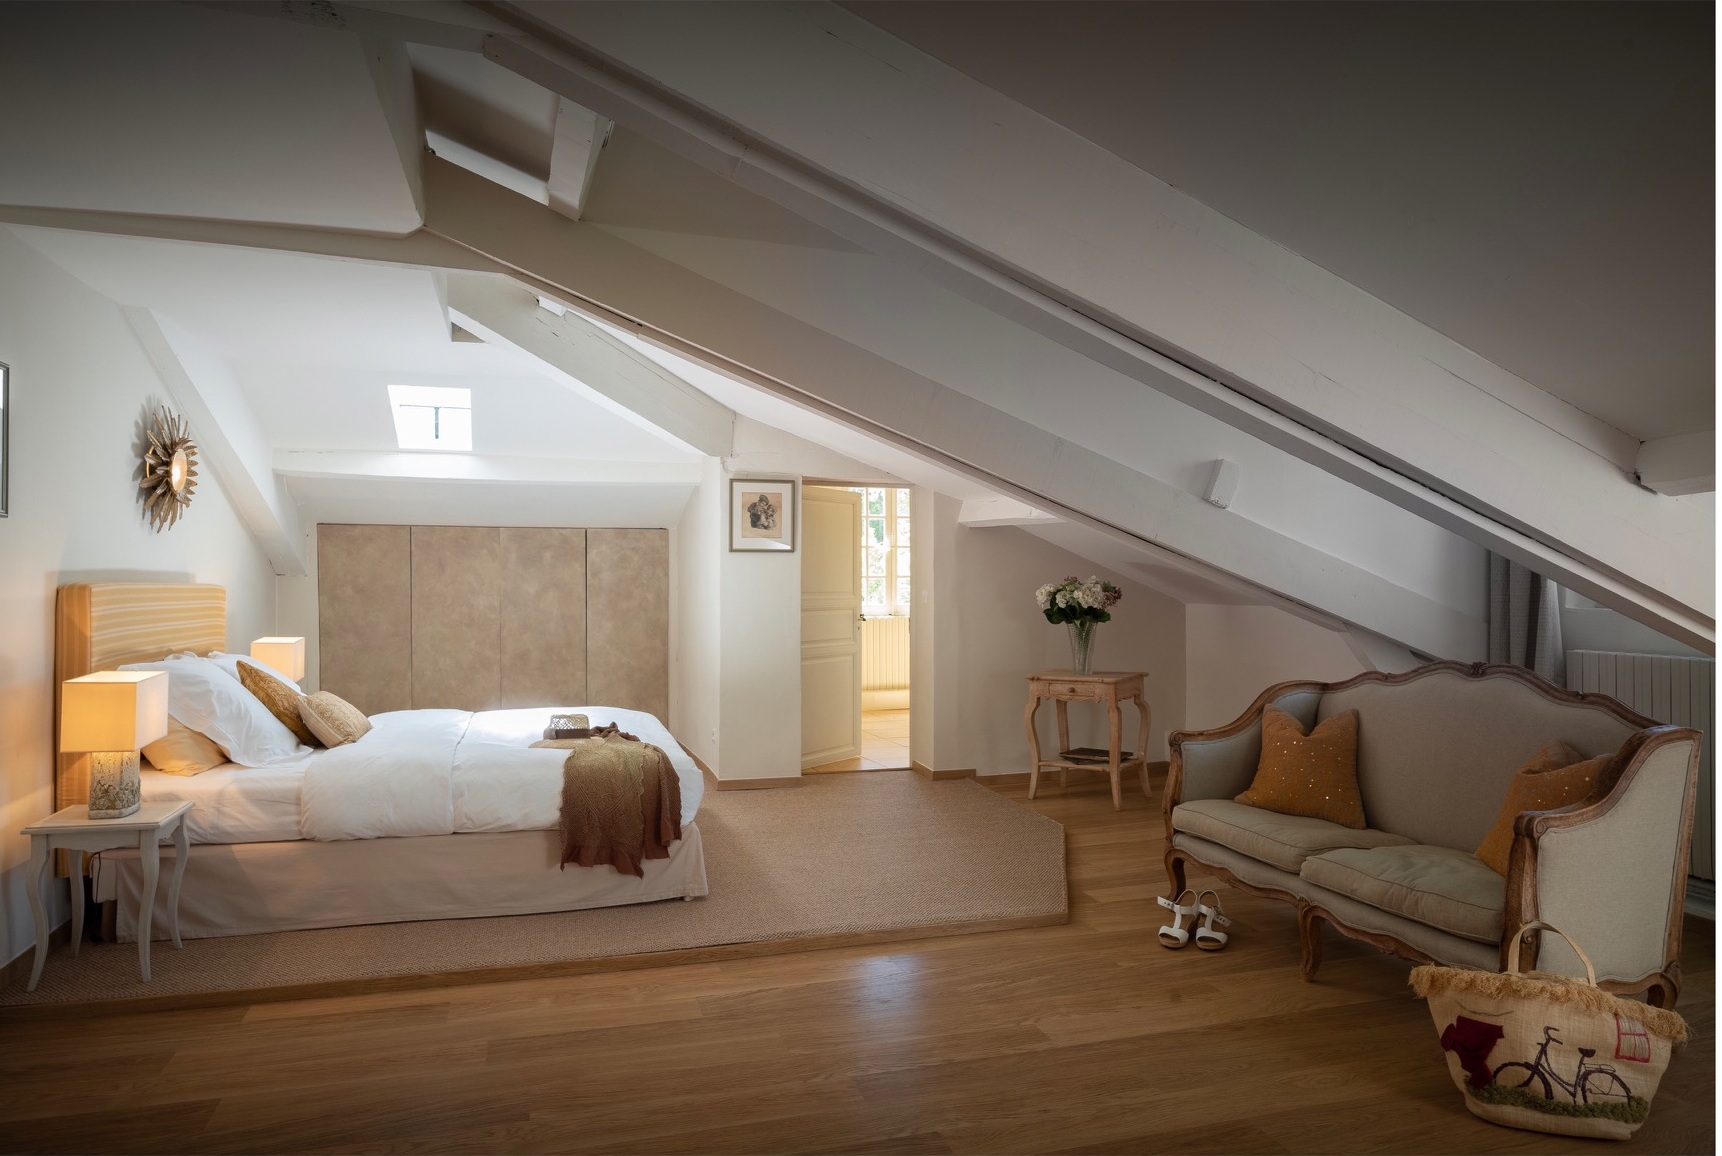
(73, 830)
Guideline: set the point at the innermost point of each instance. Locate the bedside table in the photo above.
(72, 829)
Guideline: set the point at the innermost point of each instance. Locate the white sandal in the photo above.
(1206, 937)
(1177, 935)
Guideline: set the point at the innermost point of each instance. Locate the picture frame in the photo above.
(5, 447)
(762, 514)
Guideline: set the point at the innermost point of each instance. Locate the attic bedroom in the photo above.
(949, 576)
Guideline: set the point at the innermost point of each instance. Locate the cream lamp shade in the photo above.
(109, 715)
(284, 654)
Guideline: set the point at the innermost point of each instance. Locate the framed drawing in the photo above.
(761, 514)
(5, 411)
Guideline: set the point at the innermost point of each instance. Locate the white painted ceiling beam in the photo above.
(420, 250)
(229, 438)
(1679, 465)
(579, 139)
(755, 343)
(1000, 512)
(392, 74)
(1297, 357)
(590, 361)
(485, 469)
(444, 25)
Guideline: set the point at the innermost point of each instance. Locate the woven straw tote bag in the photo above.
(1549, 1053)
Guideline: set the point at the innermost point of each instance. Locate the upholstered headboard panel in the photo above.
(488, 617)
(102, 625)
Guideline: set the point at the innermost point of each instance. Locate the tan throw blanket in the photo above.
(621, 801)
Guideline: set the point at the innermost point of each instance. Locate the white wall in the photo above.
(1236, 652)
(80, 387)
(1595, 627)
(696, 616)
(1003, 638)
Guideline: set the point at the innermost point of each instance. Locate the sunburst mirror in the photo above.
(169, 469)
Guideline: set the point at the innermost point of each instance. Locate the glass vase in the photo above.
(1082, 646)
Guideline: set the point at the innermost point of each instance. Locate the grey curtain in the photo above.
(1525, 620)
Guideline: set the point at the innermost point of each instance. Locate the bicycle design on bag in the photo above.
(1591, 1083)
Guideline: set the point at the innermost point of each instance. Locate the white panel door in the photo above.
(830, 625)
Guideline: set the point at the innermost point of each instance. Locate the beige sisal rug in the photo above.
(884, 854)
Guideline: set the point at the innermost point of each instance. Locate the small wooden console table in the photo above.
(1113, 689)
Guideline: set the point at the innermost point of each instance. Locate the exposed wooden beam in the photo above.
(420, 250)
(1678, 465)
(590, 361)
(735, 334)
(455, 25)
(229, 438)
(1470, 459)
(579, 140)
(1000, 512)
(489, 469)
(392, 74)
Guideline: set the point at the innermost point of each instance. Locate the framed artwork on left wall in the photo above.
(762, 514)
(5, 415)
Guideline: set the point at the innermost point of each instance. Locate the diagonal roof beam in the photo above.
(580, 136)
(751, 341)
(590, 361)
(228, 436)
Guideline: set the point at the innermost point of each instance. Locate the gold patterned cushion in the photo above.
(281, 699)
(1552, 778)
(1313, 774)
(182, 751)
(333, 719)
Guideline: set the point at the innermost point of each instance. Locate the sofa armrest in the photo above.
(1219, 763)
(1611, 871)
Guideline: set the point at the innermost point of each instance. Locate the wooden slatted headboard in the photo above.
(101, 625)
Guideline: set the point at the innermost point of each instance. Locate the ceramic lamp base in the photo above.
(114, 789)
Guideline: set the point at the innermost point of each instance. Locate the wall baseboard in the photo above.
(896, 698)
(1701, 898)
(927, 772)
(757, 784)
(18, 971)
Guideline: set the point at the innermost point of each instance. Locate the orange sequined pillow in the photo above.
(1313, 774)
(1550, 779)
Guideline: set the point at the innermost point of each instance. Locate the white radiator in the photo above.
(885, 663)
(1670, 690)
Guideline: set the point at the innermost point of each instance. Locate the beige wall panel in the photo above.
(628, 619)
(543, 617)
(456, 617)
(364, 606)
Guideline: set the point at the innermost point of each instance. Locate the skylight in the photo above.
(429, 417)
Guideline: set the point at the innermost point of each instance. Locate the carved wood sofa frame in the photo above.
(1661, 986)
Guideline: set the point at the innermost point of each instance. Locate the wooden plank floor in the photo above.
(1082, 1038)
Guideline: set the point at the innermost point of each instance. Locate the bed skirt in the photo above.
(247, 888)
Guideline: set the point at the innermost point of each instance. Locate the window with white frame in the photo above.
(429, 417)
(884, 550)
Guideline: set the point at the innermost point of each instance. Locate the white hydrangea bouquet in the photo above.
(1082, 606)
(1074, 600)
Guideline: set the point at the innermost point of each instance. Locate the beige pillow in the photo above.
(333, 719)
(281, 699)
(182, 751)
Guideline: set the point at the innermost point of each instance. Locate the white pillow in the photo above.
(213, 703)
(230, 663)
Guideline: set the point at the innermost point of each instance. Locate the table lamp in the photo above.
(286, 655)
(109, 715)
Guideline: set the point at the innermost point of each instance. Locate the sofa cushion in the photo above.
(1552, 778)
(1281, 840)
(1449, 889)
(1312, 774)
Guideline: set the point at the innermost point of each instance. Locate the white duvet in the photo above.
(438, 772)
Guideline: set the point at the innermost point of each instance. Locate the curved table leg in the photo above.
(1142, 745)
(149, 849)
(1115, 721)
(39, 856)
(1033, 745)
(181, 852)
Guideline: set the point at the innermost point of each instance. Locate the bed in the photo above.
(437, 814)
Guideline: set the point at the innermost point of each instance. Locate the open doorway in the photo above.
(856, 539)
